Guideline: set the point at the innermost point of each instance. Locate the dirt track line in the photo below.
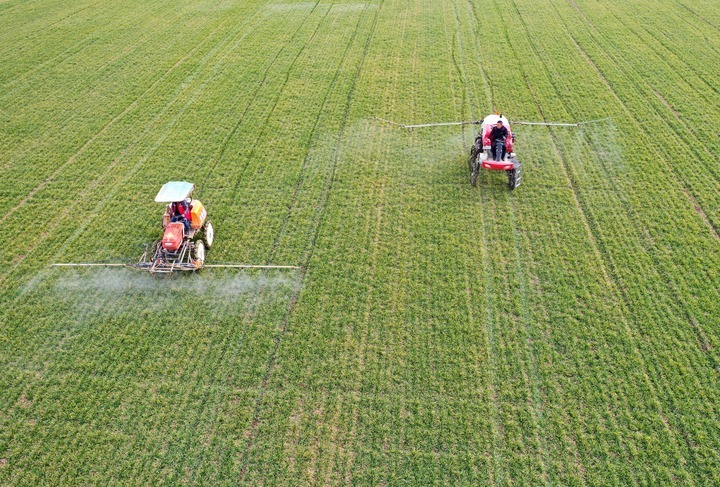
(529, 368)
(254, 311)
(674, 295)
(698, 16)
(351, 450)
(529, 372)
(699, 211)
(252, 432)
(588, 222)
(102, 131)
(68, 210)
(498, 473)
(646, 241)
(680, 181)
(603, 260)
(241, 119)
(66, 17)
(312, 141)
(574, 195)
(478, 49)
(263, 130)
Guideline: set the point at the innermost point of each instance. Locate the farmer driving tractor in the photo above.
(497, 137)
(181, 213)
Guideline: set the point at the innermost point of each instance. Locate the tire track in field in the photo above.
(318, 117)
(709, 102)
(252, 99)
(530, 367)
(530, 375)
(355, 392)
(253, 429)
(263, 130)
(681, 181)
(313, 234)
(118, 181)
(69, 121)
(676, 177)
(657, 37)
(575, 199)
(498, 474)
(698, 16)
(378, 196)
(471, 262)
(604, 261)
(67, 53)
(490, 90)
(27, 145)
(61, 20)
(312, 140)
(230, 338)
(647, 238)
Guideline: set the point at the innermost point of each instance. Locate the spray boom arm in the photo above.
(478, 122)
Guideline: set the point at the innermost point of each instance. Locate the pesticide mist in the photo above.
(121, 290)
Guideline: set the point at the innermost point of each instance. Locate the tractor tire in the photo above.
(474, 167)
(208, 234)
(511, 179)
(474, 173)
(199, 254)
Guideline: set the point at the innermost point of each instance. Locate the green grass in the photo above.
(564, 333)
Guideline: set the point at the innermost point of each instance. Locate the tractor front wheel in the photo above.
(208, 234)
(199, 254)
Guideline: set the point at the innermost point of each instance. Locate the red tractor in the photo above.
(483, 154)
(495, 155)
(187, 232)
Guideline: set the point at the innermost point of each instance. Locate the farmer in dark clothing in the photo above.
(181, 213)
(499, 132)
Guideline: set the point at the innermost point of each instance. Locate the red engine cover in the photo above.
(173, 236)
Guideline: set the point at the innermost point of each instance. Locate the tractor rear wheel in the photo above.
(474, 168)
(208, 234)
(474, 174)
(199, 253)
(512, 178)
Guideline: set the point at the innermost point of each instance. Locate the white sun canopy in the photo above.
(174, 191)
(493, 119)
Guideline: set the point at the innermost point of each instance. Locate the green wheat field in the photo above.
(435, 333)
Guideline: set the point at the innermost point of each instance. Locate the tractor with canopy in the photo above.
(183, 243)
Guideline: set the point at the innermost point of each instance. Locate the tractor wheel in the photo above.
(473, 157)
(208, 234)
(512, 178)
(199, 253)
(474, 170)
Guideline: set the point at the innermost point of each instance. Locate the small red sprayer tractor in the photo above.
(187, 235)
(187, 232)
(489, 151)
